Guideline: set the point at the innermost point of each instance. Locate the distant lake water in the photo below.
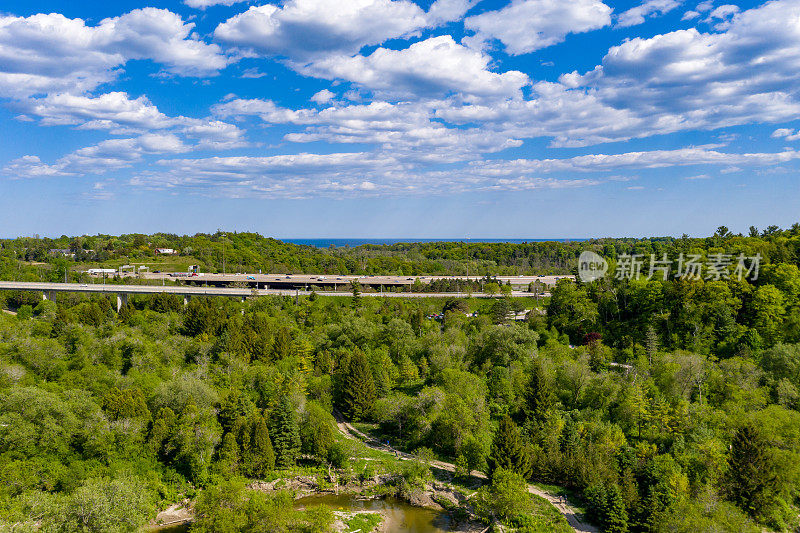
(325, 243)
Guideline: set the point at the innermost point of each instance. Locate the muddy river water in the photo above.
(400, 516)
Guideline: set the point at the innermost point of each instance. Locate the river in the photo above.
(400, 516)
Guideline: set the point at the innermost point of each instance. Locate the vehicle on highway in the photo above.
(251, 277)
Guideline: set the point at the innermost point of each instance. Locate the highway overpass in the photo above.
(331, 281)
(50, 291)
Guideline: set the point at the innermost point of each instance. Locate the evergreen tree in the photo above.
(508, 451)
(500, 310)
(285, 434)
(355, 303)
(162, 433)
(358, 388)
(751, 479)
(228, 457)
(616, 517)
(539, 395)
(202, 316)
(605, 507)
(417, 320)
(596, 497)
(257, 448)
(282, 345)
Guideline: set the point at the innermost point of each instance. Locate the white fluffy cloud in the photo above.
(528, 25)
(687, 79)
(406, 130)
(119, 114)
(702, 7)
(306, 29)
(434, 66)
(267, 110)
(787, 134)
(31, 166)
(108, 111)
(52, 53)
(113, 154)
(213, 134)
(323, 97)
(648, 8)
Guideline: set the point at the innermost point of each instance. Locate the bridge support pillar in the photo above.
(49, 295)
(122, 299)
(185, 301)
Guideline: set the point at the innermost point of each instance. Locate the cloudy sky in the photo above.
(444, 118)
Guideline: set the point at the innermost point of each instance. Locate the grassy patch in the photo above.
(542, 518)
(365, 522)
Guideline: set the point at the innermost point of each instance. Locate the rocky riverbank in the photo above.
(433, 497)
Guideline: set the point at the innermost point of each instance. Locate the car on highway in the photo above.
(251, 277)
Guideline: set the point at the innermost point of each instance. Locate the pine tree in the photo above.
(355, 303)
(358, 388)
(751, 479)
(281, 345)
(596, 497)
(259, 448)
(508, 451)
(285, 434)
(616, 517)
(500, 310)
(228, 457)
(539, 395)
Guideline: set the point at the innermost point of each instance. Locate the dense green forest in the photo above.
(664, 405)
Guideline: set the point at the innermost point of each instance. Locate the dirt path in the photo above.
(560, 503)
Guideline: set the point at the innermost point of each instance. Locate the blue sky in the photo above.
(366, 118)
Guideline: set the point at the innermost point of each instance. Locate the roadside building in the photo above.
(64, 252)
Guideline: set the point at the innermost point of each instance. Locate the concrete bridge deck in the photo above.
(50, 290)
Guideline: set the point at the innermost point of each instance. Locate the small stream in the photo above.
(401, 517)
